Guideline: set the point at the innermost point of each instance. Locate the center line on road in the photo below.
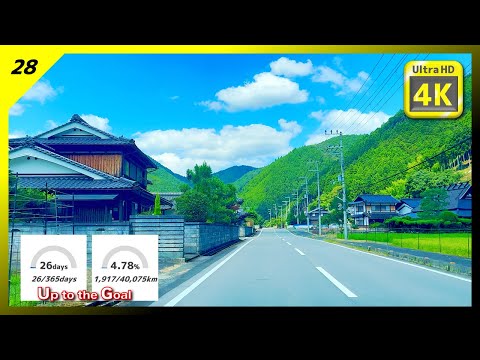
(288, 243)
(337, 283)
(301, 253)
(188, 290)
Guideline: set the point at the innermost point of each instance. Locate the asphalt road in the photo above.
(278, 268)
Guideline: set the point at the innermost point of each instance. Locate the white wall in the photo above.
(404, 210)
(39, 166)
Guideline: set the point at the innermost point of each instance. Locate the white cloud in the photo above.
(175, 97)
(254, 145)
(211, 105)
(290, 126)
(51, 124)
(98, 122)
(338, 81)
(41, 92)
(16, 110)
(16, 134)
(291, 68)
(349, 122)
(338, 61)
(265, 91)
(320, 99)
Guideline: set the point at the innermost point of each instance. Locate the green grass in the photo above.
(458, 243)
(15, 293)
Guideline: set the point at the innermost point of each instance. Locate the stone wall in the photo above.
(201, 238)
(244, 231)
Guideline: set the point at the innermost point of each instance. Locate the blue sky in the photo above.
(224, 109)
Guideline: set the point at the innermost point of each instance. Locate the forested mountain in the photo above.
(165, 180)
(232, 174)
(374, 163)
(240, 183)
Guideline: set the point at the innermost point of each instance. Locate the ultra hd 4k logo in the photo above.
(433, 89)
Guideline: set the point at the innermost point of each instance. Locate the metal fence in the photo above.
(39, 210)
(456, 242)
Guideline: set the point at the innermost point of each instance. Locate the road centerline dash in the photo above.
(289, 243)
(301, 253)
(188, 290)
(337, 283)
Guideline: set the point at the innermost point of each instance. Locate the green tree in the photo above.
(424, 179)
(199, 173)
(157, 209)
(397, 189)
(433, 201)
(217, 200)
(449, 216)
(334, 217)
(193, 205)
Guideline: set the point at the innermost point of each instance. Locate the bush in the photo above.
(448, 216)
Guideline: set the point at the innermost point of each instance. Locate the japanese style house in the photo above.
(104, 177)
(368, 209)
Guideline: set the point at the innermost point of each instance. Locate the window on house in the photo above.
(133, 171)
(126, 170)
(359, 208)
(115, 214)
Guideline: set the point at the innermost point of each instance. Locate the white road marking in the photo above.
(394, 260)
(337, 283)
(288, 243)
(188, 290)
(301, 253)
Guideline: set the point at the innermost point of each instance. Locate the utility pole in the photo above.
(288, 197)
(276, 212)
(306, 192)
(296, 214)
(270, 213)
(286, 204)
(318, 199)
(339, 150)
(281, 216)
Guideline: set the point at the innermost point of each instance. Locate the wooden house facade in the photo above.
(104, 176)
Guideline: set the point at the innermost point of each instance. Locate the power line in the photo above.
(370, 100)
(358, 91)
(381, 106)
(373, 82)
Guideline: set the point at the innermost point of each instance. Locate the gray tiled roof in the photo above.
(73, 183)
(76, 118)
(77, 140)
(81, 140)
(455, 193)
(413, 202)
(369, 198)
